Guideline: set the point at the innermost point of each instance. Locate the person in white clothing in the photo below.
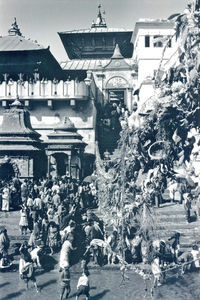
(83, 287)
(35, 255)
(67, 230)
(65, 253)
(156, 270)
(196, 257)
(23, 223)
(6, 199)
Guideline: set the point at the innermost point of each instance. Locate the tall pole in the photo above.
(122, 193)
(48, 165)
(69, 165)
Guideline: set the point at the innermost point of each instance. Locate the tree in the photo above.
(175, 112)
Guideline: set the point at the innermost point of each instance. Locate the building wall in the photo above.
(115, 79)
(48, 110)
(148, 58)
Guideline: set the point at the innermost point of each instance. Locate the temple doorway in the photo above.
(6, 171)
(61, 163)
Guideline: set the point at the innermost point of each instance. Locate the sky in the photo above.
(41, 19)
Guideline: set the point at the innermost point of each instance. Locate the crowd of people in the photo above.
(56, 216)
(113, 115)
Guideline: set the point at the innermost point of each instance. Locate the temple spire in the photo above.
(117, 53)
(100, 21)
(14, 30)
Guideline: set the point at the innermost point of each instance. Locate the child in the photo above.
(53, 238)
(26, 270)
(23, 223)
(36, 253)
(195, 256)
(156, 270)
(83, 287)
(65, 282)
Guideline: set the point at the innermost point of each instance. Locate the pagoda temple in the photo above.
(97, 42)
(19, 55)
(106, 68)
(105, 55)
(30, 72)
(20, 145)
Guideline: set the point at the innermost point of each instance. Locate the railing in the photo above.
(72, 89)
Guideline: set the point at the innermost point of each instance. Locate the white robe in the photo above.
(64, 254)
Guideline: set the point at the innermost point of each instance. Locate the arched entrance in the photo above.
(6, 171)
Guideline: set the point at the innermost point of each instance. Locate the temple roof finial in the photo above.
(100, 21)
(14, 30)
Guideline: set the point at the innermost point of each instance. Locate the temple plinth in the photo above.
(64, 150)
(20, 145)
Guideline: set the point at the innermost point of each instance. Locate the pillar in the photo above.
(48, 165)
(68, 165)
(129, 99)
(81, 171)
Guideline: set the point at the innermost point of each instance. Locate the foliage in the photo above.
(124, 196)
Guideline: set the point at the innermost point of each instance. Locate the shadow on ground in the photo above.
(47, 283)
(13, 295)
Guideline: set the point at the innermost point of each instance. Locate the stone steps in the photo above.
(171, 218)
(175, 227)
(165, 219)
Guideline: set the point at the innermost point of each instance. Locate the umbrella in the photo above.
(87, 179)
(90, 178)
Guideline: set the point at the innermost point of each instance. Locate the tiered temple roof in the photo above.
(21, 55)
(97, 42)
(65, 136)
(16, 132)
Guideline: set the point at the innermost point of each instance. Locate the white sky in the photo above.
(41, 19)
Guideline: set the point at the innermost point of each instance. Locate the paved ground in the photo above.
(105, 282)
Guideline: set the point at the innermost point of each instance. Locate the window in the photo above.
(147, 41)
(157, 41)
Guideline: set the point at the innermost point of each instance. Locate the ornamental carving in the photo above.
(116, 82)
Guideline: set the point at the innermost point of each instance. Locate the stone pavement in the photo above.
(106, 283)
